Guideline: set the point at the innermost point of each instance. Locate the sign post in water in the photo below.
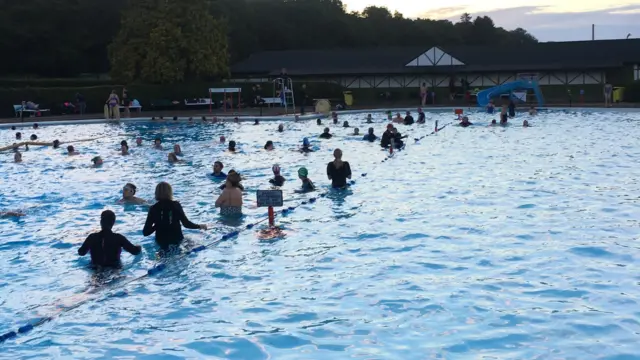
(269, 198)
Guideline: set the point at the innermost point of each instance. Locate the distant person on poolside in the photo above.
(223, 186)
(177, 150)
(490, 107)
(230, 200)
(17, 157)
(338, 171)
(307, 185)
(533, 111)
(325, 134)
(97, 161)
(408, 120)
(113, 102)
(369, 119)
(306, 146)
(278, 179)
(370, 137)
(232, 146)
(269, 145)
(157, 143)
(608, 91)
(421, 116)
(71, 150)
(139, 141)
(105, 246)
(465, 122)
(217, 170)
(423, 94)
(128, 195)
(165, 218)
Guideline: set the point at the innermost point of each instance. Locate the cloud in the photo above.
(613, 23)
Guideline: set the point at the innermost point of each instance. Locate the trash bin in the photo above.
(618, 94)
(348, 98)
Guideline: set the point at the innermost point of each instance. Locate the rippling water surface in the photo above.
(483, 243)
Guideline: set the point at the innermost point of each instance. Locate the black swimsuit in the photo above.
(105, 247)
(164, 219)
(339, 176)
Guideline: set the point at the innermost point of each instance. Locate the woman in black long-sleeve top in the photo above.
(164, 218)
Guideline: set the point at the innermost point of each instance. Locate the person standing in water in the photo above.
(278, 179)
(230, 200)
(217, 170)
(105, 246)
(307, 185)
(338, 171)
(165, 218)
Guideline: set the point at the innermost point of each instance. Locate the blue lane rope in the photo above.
(161, 266)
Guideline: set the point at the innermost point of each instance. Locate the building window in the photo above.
(636, 72)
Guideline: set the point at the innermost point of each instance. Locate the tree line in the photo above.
(171, 41)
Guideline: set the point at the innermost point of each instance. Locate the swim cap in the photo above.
(303, 172)
(276, 169)
(305, 141)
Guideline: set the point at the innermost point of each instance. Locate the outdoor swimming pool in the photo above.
(509, 243)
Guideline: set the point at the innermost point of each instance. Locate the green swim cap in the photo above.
(303, 172)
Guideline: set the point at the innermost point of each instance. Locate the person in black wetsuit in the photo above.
(278, 180)
(326, 134)
(370, 137)
(387, 136)
(421, 117)
(105, 246)
(164, 218)
(397, 139)
(512, 108)
(408, 120)
(338, 171)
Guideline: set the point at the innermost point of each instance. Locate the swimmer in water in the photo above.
(408, 120)
(232, 146)
(55, 144)
(217, 171)
(105, 246)
(177, 150)
(306, 146)
(173, 158)
(6, 214)
(278, 180)
(281, 128)
(503, 115)
(370, 137)
(490, 107)
(71, 150)
(33, 137)
(157, 143)
(223, 186)
(35, 125)
(307, 185)
(325, 134)
(334, 115)
(345, 124)
(338, 171)
(230, 200)
(493, 122)
(296, 118)
(256, 122)
(97, 161)
(397, 138)
(525, 123)
(17, 157)
(369, 119)
(269, 145)
(128, 195)
(18, 136)
(387, 136)
(222, 139)
(124, 148)
(356, 132)
(421, 117)
(533, 111)
(319, 122)
(165, 218)
(236, 120)
(139, 141)
(398, 119)
(465, 122)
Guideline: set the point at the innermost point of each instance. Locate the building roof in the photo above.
(575, 55)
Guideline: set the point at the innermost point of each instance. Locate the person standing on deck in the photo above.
(423, 93)
(608, 91)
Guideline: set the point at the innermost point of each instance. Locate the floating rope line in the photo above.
(158, 268)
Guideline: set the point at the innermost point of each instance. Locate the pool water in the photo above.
(476, 243)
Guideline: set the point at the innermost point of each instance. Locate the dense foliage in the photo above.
(167, 41)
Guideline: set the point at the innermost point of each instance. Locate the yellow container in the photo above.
(618, 94)
(348, 98)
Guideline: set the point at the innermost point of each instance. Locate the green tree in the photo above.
(169, 41)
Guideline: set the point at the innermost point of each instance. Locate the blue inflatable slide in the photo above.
(486, 95)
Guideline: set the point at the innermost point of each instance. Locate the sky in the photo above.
(547, 20)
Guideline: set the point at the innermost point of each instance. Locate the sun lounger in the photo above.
(30, 112)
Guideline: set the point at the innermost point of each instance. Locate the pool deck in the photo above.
(272, 113)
